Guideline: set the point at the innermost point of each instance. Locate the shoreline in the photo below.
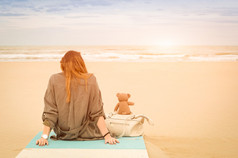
(58, 61)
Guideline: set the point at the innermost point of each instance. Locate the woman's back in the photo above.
(80, 114)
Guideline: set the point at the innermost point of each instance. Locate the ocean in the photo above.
(121, 53)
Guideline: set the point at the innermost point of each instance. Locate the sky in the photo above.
(118, 22)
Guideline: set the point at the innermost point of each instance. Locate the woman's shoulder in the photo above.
(56, 75)
(92, 79)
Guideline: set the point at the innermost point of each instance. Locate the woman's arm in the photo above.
(50, 113)
(46, 130)
(103, 129)
(42, 141)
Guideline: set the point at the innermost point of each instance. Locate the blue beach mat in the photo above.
(128, 147)
(125, 143)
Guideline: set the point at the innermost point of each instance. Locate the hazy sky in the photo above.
(118, 22)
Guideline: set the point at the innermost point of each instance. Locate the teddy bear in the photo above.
(123, 104)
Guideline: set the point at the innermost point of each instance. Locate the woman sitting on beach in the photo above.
(73, 104)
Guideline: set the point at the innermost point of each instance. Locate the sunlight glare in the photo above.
(166, 43)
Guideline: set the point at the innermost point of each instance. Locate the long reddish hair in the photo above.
(73, 66)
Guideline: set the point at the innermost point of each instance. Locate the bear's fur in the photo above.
(123, 106)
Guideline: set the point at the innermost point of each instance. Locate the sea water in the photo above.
(122, 53)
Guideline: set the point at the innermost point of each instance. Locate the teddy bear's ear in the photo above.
(118, 94)
(128, 95)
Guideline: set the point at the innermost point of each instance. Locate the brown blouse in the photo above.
(76, 120)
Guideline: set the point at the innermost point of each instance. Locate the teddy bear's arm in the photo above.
(116, 107)
(130, 103)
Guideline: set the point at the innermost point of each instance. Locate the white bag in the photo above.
(126, 125)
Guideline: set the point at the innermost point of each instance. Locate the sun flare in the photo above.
(166, 43)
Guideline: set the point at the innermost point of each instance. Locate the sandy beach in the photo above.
(194, 105)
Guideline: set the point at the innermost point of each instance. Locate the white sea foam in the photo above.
(122, 53)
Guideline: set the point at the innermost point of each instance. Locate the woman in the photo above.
(73, 104)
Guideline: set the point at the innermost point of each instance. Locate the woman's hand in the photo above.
(110, 140)
(42, 142)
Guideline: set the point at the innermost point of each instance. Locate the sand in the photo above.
(194, 105)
